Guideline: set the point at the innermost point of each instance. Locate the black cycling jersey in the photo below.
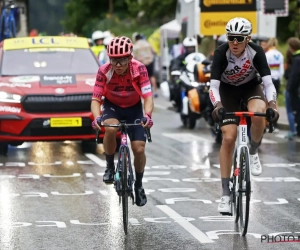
(229, 69)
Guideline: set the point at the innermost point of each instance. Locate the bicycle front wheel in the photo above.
(124, 190)
(234, 197)
(244, 190)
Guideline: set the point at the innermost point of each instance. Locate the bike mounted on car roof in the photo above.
(10, 19)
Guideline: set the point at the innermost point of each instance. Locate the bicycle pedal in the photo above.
(226, 214)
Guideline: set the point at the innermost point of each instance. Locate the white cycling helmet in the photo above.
(189, 42)
(239, 26)
(107, 40)
(97, 35)
(107, 33)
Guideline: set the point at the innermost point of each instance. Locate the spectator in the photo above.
(288, 106)
(276, 62)
(264, 43)
(143, 52)
(33, 33)
(294, 79)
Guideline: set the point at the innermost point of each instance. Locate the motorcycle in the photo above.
(189, 92)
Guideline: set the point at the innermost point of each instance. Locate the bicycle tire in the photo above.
(244, 176)
(235, 203)
(124, 190)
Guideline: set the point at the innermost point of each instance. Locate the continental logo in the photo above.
(209, 23)
(209, 3)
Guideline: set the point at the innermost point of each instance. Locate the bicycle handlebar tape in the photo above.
(144, 120)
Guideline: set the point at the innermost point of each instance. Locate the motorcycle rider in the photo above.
(189, 44)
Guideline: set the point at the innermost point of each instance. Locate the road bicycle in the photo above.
(240, 182)
(124, 178)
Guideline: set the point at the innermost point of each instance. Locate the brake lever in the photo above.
(97, 136)
(144, 120)
(269, 115)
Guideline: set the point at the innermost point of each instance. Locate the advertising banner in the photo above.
(214, 23)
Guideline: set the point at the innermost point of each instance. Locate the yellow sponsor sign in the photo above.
(45, 42)
(214, 23)
(65, 122)
(209, 3)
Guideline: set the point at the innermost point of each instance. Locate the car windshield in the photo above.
(48, 61)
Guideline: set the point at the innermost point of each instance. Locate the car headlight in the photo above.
(8, 97)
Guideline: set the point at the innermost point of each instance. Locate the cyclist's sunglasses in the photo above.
(239, 39)
(122, 61)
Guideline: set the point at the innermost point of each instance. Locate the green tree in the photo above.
(154, 9)
(82, 14)
(290, 25)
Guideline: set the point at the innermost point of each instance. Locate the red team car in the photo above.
(46, 85)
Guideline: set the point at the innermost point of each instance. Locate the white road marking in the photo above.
(157, 173)
(134, 222)
(89, 175)
(96, 159)
(194, 231)
(267, 141)
(103, 192)
(185, 137)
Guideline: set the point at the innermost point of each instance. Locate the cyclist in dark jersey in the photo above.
(234, 77)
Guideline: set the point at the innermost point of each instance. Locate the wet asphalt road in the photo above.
(52, 196)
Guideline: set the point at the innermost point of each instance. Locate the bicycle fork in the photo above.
(242, 143)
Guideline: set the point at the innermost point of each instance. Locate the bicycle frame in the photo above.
(242, 140)
(241, 179)
(124, 178)
(124, 147)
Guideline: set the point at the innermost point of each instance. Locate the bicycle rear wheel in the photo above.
(124, 190)
(244, 190)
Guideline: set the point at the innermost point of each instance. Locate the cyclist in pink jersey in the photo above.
(123, 81)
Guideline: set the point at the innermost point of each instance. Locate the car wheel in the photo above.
(3, 148)
(192, 119)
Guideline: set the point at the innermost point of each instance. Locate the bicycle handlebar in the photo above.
(269, 114)
(144, 120)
